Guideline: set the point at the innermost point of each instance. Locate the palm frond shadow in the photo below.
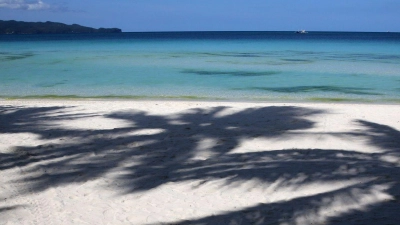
(159, 149)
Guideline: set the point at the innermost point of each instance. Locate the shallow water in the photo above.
(270, 66)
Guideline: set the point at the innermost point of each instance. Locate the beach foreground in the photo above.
(180, 162)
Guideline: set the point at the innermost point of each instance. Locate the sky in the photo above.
(211, 15)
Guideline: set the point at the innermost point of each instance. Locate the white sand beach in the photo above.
(189, 162)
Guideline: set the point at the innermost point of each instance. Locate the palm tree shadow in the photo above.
(158, 156)
(176, 149)
(198, 145)
(375, 200)
(36, 120)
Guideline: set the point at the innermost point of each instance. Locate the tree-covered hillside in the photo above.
(19, 27)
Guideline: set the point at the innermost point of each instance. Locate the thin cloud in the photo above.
(25, 5)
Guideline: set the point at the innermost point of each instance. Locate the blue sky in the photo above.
(212, 15)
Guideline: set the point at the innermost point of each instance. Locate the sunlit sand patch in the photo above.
(9, 141)
(342, 203)
(226, 112)
(197, 199)
(391, 159)
(178, 122)
(139, 132)
(304, 141)
(204, 147)
(95, 123)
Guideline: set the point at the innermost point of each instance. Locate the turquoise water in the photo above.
(266, 66)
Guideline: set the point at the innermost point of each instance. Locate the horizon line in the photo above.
(314, 31)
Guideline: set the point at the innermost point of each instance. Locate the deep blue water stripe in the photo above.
(223, 35)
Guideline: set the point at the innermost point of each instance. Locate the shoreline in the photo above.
(204, 100)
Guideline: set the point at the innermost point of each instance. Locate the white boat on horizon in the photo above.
(301, 32)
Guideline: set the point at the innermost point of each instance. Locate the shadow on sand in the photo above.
(156, 150)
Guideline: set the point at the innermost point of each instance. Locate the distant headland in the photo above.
(20, 27)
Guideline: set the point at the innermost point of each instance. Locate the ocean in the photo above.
(232, 66)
